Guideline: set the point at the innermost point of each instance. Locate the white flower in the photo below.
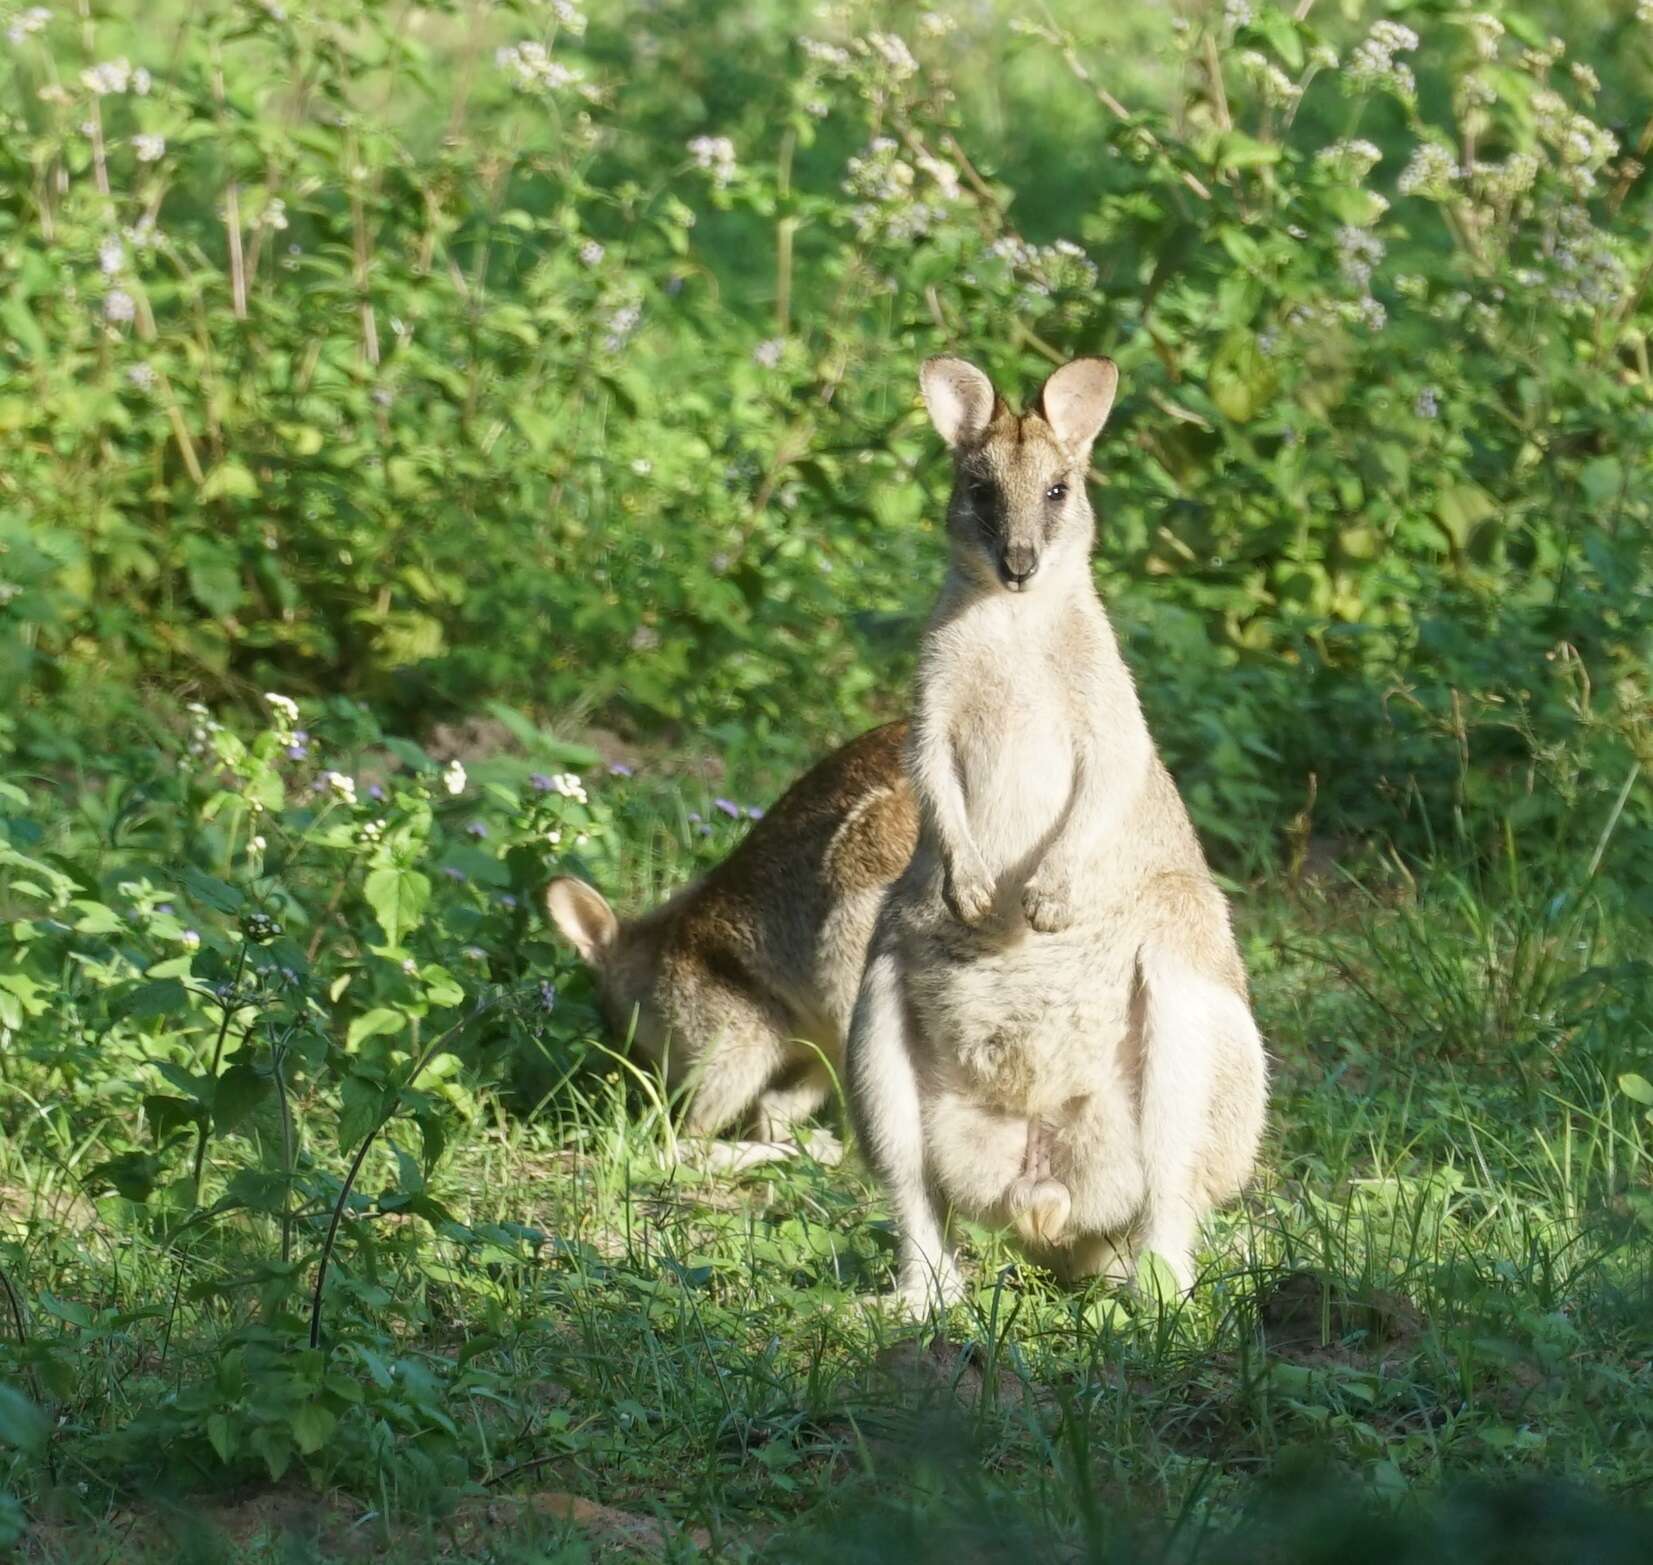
(119, 305)
(1431, 173)
(894, 52)
(533, 69)
(1277, 89)
(570, 787)
(1373, 62)
(141, 81)
(768, 353)
(1427, 404)
(1484, 31)
(410, 967)
(150, 149)
(554, 837)
(8, 591)
(716, 156)
(191, 940)
(1354, 160)
(645, 639)
(143, 376)
(591, 253)
(27, 22)
(621, 324)
(258, 844)
(838, 59)
(935, 24)
(110, 76)
(1236, 14)
(569, 15)
(284, 707)
(453, 779)
(275, 214)
(111, 257)
(340, 786)
(641, 466)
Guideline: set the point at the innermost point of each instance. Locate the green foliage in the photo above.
(352, 356)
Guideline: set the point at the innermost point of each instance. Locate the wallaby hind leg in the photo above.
(785, 1104)
(748, 1051)
(1189, 1021)
(884, 1100)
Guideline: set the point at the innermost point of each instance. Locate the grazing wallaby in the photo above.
(742, 984)
(1052, 1032)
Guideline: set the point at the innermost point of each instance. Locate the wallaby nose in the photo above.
(1017, 564)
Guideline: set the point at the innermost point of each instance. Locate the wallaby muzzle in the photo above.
(1017, 564)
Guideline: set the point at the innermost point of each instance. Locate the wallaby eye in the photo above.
(981, 492)
(1056, 492)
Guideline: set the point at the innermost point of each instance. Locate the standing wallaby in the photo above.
(742, 984)
(1052, 1031)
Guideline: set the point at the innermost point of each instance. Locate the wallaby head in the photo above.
(1019, 503)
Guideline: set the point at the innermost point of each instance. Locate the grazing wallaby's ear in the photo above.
(584, 917)
(960, 398)
(1076, 400)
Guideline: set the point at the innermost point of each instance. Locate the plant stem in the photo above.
(205, 1129)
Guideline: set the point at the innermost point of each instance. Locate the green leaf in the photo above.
(221, 1435)
(160, 997)
(275, 1445)
(22, 1424)
(370, 1024)
(1235, 149)
(1636, 1087)
(230, 480)
(311, 1425)
(240, 1090)
(398, 898)
(214, 574)
(211, 890)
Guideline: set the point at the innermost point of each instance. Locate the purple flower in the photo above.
(375, 792)
(457, 876)
(705, 831)
(620, 769)
(754, 812)
(694, 817)
(476, 829)
(506, 900)
(317, 784)
(729, 808)
(299, 749)
(539, 782)
(548, 995)
(163, 907)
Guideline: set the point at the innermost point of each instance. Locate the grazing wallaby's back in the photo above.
(743, 983)
(1052, 1032)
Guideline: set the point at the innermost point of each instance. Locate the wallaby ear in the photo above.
(959, 397)
(584, 917)
(1077, 399)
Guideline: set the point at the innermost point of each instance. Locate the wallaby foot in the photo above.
(923, 1291)
(822, 1145)
(732, 1157)
(1039, 1205)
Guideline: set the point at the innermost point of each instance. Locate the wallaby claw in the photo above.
(969, 896)
(1048, 906)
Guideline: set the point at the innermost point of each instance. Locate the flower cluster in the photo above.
(1372, 64)
(1277, 90)
(887, 188)
(1581, 146)
(1431, 173)
(715, 155)
(26, 23)
(531, 68)
(1350, 160)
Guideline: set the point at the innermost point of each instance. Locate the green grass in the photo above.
(1441, 1276)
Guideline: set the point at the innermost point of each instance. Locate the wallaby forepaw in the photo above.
(822, 1145)
(1048, 905)
(968, 895)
